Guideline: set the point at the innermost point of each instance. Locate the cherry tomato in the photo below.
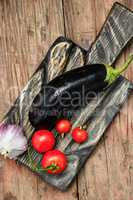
(43, 140)
(54, 162)
(63, 126)
(79, 135)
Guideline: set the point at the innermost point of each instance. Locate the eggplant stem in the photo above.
(113, 74)
(126, 64)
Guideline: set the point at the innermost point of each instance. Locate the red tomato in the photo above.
(43, 140)
(79, 135)
(63, 126)
(54, 162)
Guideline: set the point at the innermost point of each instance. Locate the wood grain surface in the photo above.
(27, 28)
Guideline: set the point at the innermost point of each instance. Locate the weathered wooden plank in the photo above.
(27, 29)
(119, 157)
(119, 149)
(97, 180)
(85, 34)
(80, 21)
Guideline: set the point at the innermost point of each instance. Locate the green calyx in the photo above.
(53, 167)
(113, 74)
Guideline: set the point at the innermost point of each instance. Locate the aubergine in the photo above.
(71, 91)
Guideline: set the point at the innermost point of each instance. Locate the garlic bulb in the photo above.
(12, 141)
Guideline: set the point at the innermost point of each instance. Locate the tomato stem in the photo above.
(52, 167)
(83, 127)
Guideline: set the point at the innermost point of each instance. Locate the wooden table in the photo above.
(27, 28)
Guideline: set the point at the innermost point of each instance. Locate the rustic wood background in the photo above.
(27, 28)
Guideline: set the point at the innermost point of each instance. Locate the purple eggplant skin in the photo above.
(46, 106)
(60, 97)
